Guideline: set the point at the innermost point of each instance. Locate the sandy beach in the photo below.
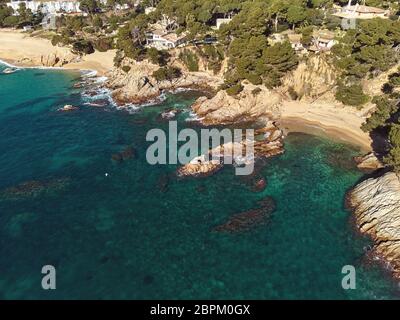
(18, 48)
(339, 122)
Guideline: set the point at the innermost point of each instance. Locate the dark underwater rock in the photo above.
(163, 182)
(33, 188)
(247, 220)
(126, 154)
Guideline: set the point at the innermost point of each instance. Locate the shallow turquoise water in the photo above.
(125, 236)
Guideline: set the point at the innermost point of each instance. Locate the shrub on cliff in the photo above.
(126, 69)
(82, 47)
(103, 44)
(190, 60)
(167, 73)
(160, 57)
(394, 79)
(234, 90)
(214, 55)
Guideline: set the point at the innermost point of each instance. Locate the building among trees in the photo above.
(65, 6)
(361, 12)
(323, 40)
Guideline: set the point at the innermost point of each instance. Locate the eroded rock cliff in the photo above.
(312, 78)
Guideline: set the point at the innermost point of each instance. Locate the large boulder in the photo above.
(252, 104)
(376, 204)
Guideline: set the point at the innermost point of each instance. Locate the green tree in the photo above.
(89, 6)
(5, 12)
(167, 73)
(393, 158)
(385, 107)
(352, 95)
(296, 14)
(82, 47)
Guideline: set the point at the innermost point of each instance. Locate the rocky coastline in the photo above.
(270, 145)
(375, 201)
(376, 206)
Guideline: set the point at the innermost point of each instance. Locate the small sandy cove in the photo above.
(334, 120)
(19, 48)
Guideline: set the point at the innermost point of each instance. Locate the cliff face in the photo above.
(253, 103)
(376, 204)
(311, 79)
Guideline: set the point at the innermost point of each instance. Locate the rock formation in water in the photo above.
(270, 145)
(33, 189)
(246, 220)
(376, 204)
(128, 153)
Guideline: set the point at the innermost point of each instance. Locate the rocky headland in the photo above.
(376, 205)
(139, 86)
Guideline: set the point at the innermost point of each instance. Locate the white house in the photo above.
(162, 36)
(221, 21)
(149, 10)
(361, 12)
(65, 6)
(323, 40)
(164, 40)
(295, 41)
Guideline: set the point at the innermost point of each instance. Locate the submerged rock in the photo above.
(163, 182)
(199, 167)
(376, 205)
(248, 219)
(169, 114)
(260, 185)
(126, 154)
(68, 107)
(33, 188)
(100, 103)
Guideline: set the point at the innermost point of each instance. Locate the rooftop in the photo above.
(364, 9)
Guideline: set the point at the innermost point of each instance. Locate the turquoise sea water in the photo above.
(141, 233)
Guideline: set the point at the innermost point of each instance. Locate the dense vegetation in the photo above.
(364, 52)
(385, 119)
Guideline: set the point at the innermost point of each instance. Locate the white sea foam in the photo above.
(193, 117)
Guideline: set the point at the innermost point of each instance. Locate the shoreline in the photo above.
(301, 125)
(340, 123)
(9, 63)
(19, 49)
